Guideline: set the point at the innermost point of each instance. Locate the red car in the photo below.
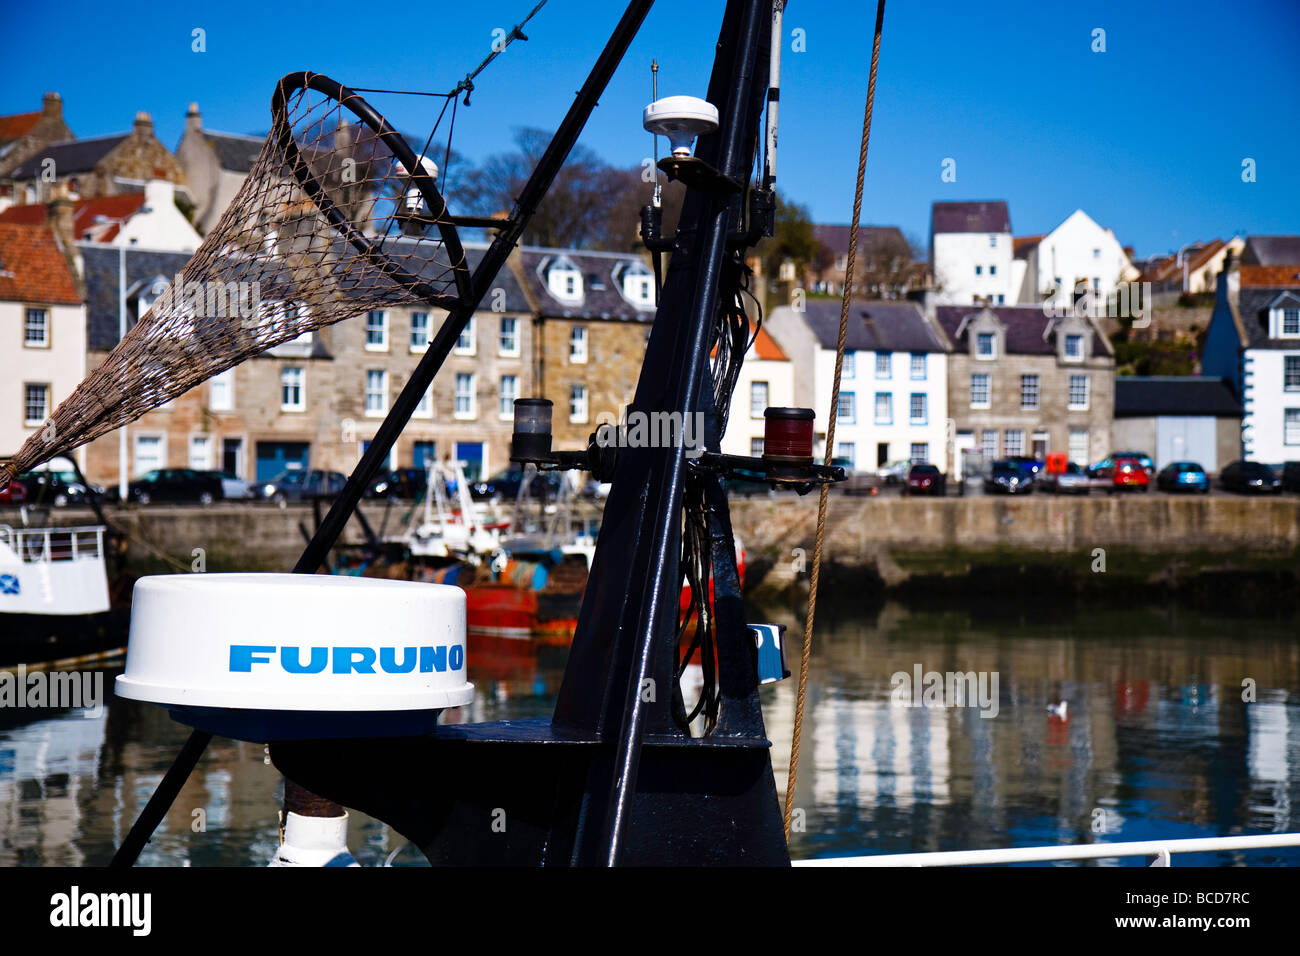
(13, 494)
(1130, 473)
(924, 479)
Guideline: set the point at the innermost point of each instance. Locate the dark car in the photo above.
(1291, 476)
(1006, 477)
(57, 488)
(12, 493)
(924, 479)
(1250, 478)
(405, 483)
(173, 484)
(1183, 476)
(505, 485)
(301, 484)
(1031, 468)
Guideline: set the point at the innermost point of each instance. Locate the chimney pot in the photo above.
(143, 123)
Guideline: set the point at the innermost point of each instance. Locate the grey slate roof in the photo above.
(836, 238)
(234, 152)
(70, 156)
(1025, 325)
(874, 326)
(598, 303)
(984, 216)
(1139, 397)
(1252, 308)
(1271, 251)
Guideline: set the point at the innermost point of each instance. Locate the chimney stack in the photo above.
(193, 119)
(52, 106)
(61, 211)
(143, 124)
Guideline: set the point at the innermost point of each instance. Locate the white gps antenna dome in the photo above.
(681, 119)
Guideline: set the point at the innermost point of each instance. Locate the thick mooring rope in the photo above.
(806, 654)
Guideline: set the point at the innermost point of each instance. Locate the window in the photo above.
(757, 399)
(465, 395)
(1096, 253)
(884, 408)
(850, 369)
(578, 403)
(1291, 373)
(917, 412)
(847, 408)
(419, 331)
(920, 452)
(1001, 299)
(36, 329)
(884, 364)
(989, 444)
(847, 450)
(918, 366)
(509, 392)
(465, 345)
(376, 391)
(36, 403)
(993, 270)
(985, 345)
(1014, 442)
(509, 336)
(148, 453)
(1079, 391)
(1073, 347)
(979, 270)
(756, 447)
(979, 390)
(424, 409)
(377, 331)
(292, 397)
(1079, 446)
(1291, 426)
(201, 452)
(1291, 322)
(993, 242)
(578, 345)
(221, 391)
(1028, 392)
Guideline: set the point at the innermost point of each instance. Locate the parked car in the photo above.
(1250, 478)
(13, 493)
(173, 484)
(505, 485)
(857, 482)
(1291, 476)
(406, 483)
(1073, 481)
(1129, 473)
(1031, 468)
(1106, 467)
(299, 484)
(233, 488)
(1005, 477)
(52, 487)
(1183, 476)
(924, 478)
(894, 473)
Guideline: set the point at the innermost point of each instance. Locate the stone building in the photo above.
(216, 165)
(1022, 383)
(592, 313)
(24, 134)
(87, 168)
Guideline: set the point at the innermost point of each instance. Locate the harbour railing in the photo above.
(1158, 852)
(40, 545)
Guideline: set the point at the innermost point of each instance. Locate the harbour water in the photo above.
(1175, 724)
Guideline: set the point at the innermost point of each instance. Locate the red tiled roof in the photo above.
(19, 124)
(84, 213)
(1270, 277)
(32, 268)
(1020, 245)
(765, 347)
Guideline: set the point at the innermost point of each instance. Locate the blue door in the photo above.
(274, 457)
(423, 453)
(471, 453)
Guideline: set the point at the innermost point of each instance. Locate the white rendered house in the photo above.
(971, 253)
(1077, 253)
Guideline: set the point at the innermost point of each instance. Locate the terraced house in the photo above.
(1021, 383)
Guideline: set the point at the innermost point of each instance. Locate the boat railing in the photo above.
(43, 545)
(1158, 852)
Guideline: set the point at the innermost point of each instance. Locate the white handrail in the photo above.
(34, 546)
(1043, 854)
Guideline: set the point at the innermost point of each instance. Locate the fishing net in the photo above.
(338, 216)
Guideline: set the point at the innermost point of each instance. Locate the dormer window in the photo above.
(564, 280)
(986, 345)
(636, 282)
(1284, 317)
(1074, 348)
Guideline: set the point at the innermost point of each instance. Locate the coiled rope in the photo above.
(806, 654)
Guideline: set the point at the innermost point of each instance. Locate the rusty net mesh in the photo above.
(329, 224)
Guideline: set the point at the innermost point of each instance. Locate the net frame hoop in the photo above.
(289, 84)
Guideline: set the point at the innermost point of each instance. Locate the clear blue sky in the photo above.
(1147, 137)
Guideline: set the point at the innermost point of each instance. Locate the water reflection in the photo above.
(1111, 725)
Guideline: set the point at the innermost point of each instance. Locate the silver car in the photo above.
(1073, 481)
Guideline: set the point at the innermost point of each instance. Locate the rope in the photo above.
(467, 84)
(806, 655)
